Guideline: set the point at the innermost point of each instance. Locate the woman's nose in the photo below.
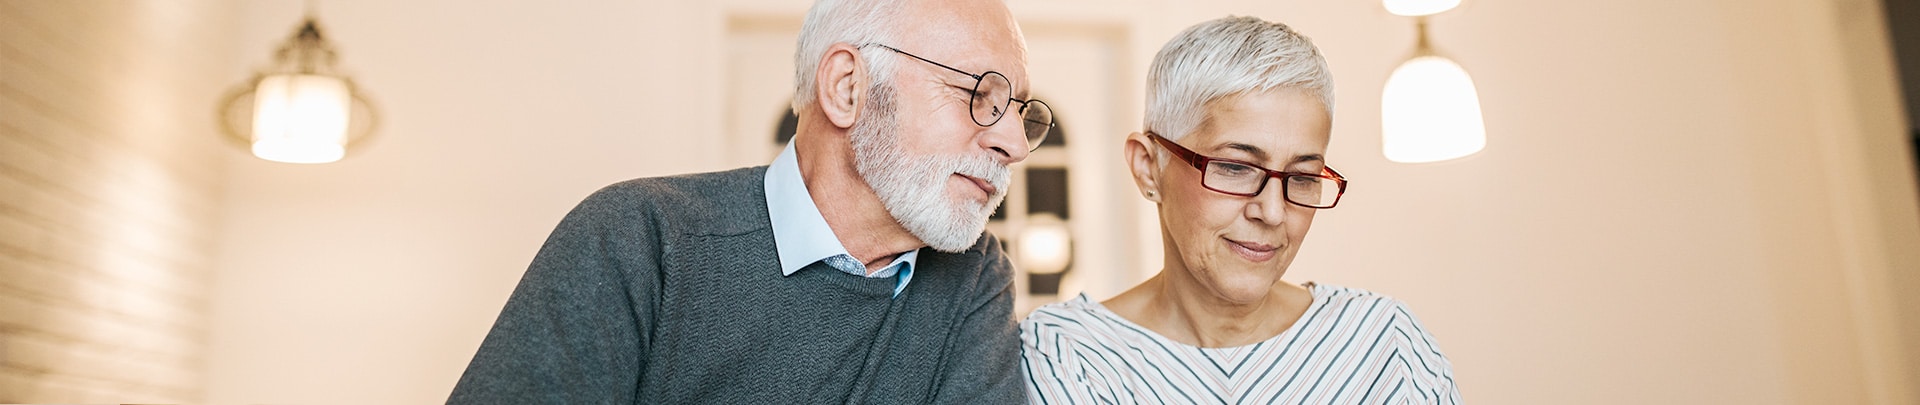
(1270, 206)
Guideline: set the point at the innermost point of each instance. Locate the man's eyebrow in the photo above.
(1315, 157)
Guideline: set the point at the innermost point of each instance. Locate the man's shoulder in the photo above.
(729, 184)
(978, 271)
(734, 195)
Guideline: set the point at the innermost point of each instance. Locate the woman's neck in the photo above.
(1181, 309)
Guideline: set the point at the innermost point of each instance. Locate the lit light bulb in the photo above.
(1416, 8)
(301, 118)
(1045, 246)
(1430, 112)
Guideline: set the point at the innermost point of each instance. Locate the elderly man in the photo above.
(853, 269)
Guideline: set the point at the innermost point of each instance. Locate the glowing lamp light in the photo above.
(1430, 112)
(301, 118)
(1417, 8)
(299, 110)
(1045, 246)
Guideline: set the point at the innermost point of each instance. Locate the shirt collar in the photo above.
(800, 234)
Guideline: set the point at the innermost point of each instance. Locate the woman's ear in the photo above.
(839, 84)
(1138, 155)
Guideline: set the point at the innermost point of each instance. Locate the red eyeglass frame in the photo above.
(1199, 162)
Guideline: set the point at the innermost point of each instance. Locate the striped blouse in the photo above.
(1351, 347)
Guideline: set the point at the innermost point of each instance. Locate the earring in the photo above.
(1149, 194)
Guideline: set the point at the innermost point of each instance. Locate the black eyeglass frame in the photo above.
(1199, 162)
(981, 79)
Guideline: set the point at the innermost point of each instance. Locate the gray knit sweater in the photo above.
(668, 290)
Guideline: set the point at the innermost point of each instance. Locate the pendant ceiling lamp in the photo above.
(1429, 110)
(300, 109)
(1045, 245)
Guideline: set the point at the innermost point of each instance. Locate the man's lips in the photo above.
(985, 187)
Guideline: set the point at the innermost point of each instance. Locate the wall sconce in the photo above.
(1429, 111)
(299, 110)
(1045, 246)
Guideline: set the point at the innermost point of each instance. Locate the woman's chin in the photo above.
(1243, 290)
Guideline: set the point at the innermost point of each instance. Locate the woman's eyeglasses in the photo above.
(1239, 178)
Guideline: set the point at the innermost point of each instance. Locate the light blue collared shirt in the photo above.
(801, 235)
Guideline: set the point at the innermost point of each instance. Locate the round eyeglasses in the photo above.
(1233, 177)
(993, 97)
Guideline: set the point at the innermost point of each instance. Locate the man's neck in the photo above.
(850, 206)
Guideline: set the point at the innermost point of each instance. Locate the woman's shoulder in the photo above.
(1341, 295)
(1368, 310)
(1072, 314)
(1364, 314)
(1355, 304)
(1081, 320)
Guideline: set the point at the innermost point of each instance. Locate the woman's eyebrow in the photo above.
(1258, 154)
(1261, 154)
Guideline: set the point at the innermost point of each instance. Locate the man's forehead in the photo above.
(967, 31)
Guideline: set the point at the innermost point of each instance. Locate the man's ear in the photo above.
(839, 84)
(1138, 155)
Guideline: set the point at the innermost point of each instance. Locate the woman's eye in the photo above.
(1232, 169)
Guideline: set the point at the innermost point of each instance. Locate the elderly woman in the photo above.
(1234, 154)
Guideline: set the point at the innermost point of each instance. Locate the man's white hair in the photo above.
(852, 22)
(1227, 57)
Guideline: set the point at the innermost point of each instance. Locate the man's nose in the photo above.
(1007, 138)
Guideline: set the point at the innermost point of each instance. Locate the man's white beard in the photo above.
(914, 188)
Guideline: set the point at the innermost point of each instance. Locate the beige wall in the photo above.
(109, 181)
(372, 280)
(1665, 212)
(1681, 202)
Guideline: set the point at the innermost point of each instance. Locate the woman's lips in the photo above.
(1252, 251)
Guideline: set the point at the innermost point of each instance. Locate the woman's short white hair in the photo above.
(1227, 57)
(852, 22)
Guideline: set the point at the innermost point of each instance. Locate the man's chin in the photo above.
(955, 235)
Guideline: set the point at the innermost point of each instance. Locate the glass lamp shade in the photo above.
(301, 118)
(1044, 245)
(1430, 112)
(1416, 8)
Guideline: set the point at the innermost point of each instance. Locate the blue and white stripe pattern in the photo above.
(1350, 347)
